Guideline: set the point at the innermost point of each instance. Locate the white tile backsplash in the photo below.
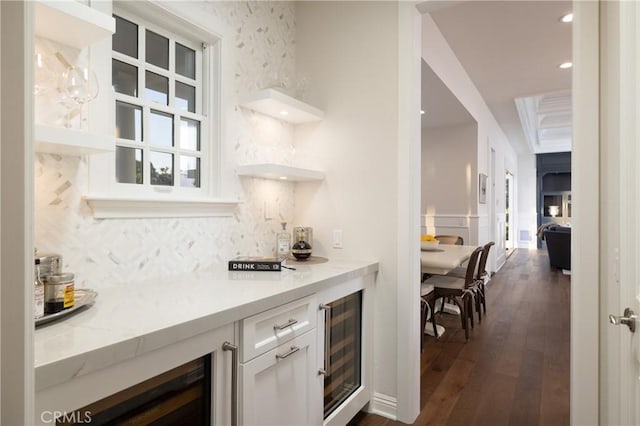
(108, 251)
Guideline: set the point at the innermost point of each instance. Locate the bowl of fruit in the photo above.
(428, 242)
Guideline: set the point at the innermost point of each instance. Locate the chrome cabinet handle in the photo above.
(283, 326)
(628, 318)
(326, 370)
(293, 350)
(226, 346)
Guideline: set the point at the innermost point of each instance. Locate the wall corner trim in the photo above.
(384, 405)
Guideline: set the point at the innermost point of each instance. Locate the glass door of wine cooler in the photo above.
(342, 350)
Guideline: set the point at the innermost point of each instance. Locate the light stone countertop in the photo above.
(133, 319)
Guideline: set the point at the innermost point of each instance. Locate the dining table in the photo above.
(441, 260)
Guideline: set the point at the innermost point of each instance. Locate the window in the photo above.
(161, 130)
(164, 68)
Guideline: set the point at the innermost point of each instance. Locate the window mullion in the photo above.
(146, 143)
(174, 150)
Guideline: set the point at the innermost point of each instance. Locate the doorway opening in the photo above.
(509, 229)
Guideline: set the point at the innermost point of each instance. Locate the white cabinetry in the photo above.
(279, 375)
(279, 387)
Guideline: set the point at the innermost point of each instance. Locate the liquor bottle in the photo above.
(301, 249)
(38, 294)
(283, 241)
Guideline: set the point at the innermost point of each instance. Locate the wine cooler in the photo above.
(177, 397)
(342, 350)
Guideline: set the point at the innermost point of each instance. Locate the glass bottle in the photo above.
(301, 249)
(38, 293)
(283, 241)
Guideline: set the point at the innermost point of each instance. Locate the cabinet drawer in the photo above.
(265, 331)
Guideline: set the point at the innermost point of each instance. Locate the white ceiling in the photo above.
(510, 49)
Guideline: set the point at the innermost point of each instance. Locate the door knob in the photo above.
(629, 319)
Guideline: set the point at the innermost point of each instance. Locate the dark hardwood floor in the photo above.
(514, 370)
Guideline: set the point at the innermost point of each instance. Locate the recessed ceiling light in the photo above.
(421, 112)
(567, 18)
(283, 178)
(284, 112)
(565, 65)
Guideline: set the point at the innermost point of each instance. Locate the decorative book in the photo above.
(256, 263)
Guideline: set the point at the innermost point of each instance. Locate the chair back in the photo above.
(483, 260)
(450, 239)
(469, 279)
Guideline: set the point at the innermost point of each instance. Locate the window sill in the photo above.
(130, 208)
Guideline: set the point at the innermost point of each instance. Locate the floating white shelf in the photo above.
(278, 172)
(63, 141)
(276, 104)
(121, 208)
(72, 23)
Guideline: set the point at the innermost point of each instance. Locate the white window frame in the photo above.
(109, 199)
(202, 115)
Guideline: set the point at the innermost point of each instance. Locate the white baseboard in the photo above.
(384, 405)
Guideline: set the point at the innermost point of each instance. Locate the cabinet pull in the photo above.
(326, 370)
(226, 346)
(293, 350)
(283, 326)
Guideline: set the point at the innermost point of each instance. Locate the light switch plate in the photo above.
(337, 239)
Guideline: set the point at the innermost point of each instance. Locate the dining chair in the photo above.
(482, 277)
(461, 290)
(450, 239)
(427, 299)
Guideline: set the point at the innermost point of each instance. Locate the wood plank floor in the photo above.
(515, 368)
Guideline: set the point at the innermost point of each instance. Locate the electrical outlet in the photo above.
(337, 239)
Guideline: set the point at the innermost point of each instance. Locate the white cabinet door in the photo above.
(280, 387)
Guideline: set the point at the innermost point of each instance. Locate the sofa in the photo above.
(558, 240)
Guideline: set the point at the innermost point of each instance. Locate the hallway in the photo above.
(515, 368)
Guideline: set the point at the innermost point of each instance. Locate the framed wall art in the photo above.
(482, 189)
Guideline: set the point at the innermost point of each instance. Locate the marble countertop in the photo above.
(129, 320)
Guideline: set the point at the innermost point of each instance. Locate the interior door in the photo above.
(620, 204)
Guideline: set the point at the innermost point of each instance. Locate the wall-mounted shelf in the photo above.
(72, 23)
(63, 141)
(279, 172)
(276, 104)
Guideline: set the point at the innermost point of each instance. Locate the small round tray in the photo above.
(82, 297)
(312, 260)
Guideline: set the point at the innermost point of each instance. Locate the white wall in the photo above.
(439, 56)
(449, 170)
(353, 54)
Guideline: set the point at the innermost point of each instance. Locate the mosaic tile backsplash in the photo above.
(112, 251)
